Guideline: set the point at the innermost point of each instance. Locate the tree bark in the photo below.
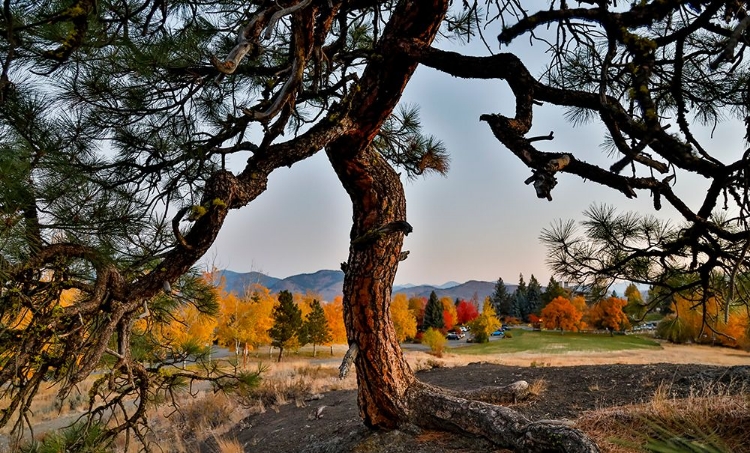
(389, 395)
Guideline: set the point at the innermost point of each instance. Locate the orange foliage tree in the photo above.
(704, 322)
(334, 311)
(609, 314)
(450, 315)
(417, 306)
(561, 314)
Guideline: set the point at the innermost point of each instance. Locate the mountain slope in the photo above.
(329, 283)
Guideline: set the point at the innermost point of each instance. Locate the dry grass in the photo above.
(537, 388)
(225, 445)
(709, 420)
(47, 406)
(669, 353)
(295, 381)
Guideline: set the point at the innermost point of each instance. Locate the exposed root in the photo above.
(437, 408)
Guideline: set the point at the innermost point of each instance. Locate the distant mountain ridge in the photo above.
(329, 284)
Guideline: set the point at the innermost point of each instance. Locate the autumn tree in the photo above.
(435, 339)
(287, 323)
(334, 311)
(316, 326)
(404, 320)
(466, 312)
(561, 314)
(417, 307)
(118, 118)
(486, 323)
(450, 315)
(609, 314)
(636, 308)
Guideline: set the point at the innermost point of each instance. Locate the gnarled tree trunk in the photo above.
(390, 396)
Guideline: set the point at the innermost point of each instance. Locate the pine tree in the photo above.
(534, 296)
(520, 300)
(552, 291)
(287, 323)
(433, 313)
(316, 326)
(501, 299)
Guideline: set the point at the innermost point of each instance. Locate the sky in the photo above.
(480, 222)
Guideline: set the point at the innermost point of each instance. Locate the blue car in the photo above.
(498, 333)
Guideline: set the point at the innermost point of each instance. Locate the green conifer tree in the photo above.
(316, 326)
(433, 313)
(534, 296)
(554, 289)
(501, 300)
(520, 300)
(287, 323)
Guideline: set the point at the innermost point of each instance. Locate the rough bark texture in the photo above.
(389, 395)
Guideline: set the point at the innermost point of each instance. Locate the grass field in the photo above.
(553, 342)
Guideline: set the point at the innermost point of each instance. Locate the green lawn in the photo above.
(553, 342)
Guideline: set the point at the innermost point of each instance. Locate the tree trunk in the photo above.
(313, 350)
(389, 395)
(281, 351)
(383, 376)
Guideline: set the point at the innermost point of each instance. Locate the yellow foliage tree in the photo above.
(404, 321)
(435, 340)
(561, 314)
(485, 323)
(188, 326)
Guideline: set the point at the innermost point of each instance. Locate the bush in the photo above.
(435, 340)
(508, 334)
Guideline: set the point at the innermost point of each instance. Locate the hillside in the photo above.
(329, 284)
(465, 291)
(325, 283)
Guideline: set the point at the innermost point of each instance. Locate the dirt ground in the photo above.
(573, 383)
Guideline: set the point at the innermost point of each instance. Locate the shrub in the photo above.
(508, 334)
(435, 340)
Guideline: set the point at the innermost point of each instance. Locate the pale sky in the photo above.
(479, 223)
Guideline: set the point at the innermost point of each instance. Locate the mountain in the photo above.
(461, 291)
(325, 283)
(447, 285)
(237, 282)
(329, 284)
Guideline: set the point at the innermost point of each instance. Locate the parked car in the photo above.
(498, 333)
(452, 336)
(464, 329)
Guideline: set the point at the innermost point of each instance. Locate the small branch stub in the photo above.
(349, 357)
